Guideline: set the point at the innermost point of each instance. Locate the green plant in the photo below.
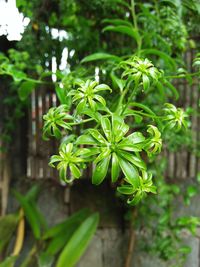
(114, 132)
(139, 56)
(157, 218)
(61, 244)
(106, 139)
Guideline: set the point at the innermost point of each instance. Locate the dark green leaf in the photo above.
(130, 31)
(168, 60)
(133, 159)
(129, 171)
(115, 168)
(136, 199)
(78, 242)
(61, 227)
(126, 189)
(118, 22)
(30, 214)
(8, 224)
(8, 262)
(100, 171)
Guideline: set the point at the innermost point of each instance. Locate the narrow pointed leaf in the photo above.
(115, 168)
(30, 214)
(78, 242)
(105, 123)
(129, 171)
(127, 30)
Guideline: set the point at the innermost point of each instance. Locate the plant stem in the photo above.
(134, 16)
(183, 76)
(121, 99)
(147, 115)
(132, 239)
(131, 97)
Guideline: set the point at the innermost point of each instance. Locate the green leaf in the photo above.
(78, 242)
(32, 194)
(105, 123)
(61, 94)
(136, 199)
(145, 81)
(118, 22)
(86, 139)
(45, 260)
(127, 145)
(101, 56)
(136, 137)
(25, 89)
(105, 152)
(63, 172)
(8, 224)
(8, 262)
(115, 168)
(31, 197)
(30, 214)
(119, 127)
(61, 227)
(88, 152)
(100, 171)
(185, 249)
(75, 170)
(100, 99)
(144, 107)
(97, 135)
(133, 159)
(40, 217)
(117, 82)
(59, 236)
(129, 171)
(102, 87)
(126, 189)
(81, 105)
(168, 60)
(192, 191)
(198, 177)
(172, 88)
(18, 76)
(130, 31)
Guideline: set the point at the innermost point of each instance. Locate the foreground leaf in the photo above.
(8, 262)
(78, 242)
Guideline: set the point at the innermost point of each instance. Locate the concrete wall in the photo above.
(109, 245)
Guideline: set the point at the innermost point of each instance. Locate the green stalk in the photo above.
(183, 76)
(134, 16)
(131, 96)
